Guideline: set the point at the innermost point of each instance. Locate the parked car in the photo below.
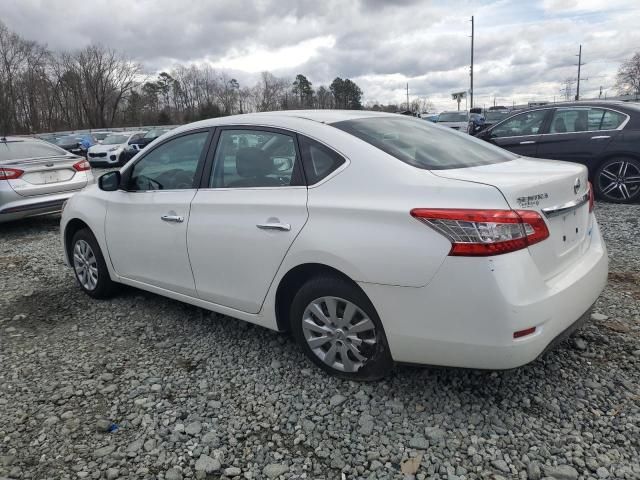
(604, 136)
(375, 238)
(72, 143)
(109, 152)
(455, 120)
(36, 177)
(135, 145)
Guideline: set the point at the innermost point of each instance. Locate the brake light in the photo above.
(81, 166)
(591, 199)
(10, 173)
(482, 233)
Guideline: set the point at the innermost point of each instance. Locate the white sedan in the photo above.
(374, 238)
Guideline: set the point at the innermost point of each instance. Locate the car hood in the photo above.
(104, 148)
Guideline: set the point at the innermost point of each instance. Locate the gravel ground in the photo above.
(146, 387)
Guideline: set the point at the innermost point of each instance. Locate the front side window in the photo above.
(528, 123)
(423, 144)
(254, 158)
(170, 166)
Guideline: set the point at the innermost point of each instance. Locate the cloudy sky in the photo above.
(525, 50)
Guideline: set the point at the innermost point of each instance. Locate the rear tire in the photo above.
(339, 330)
(618, 180)
(89, 267)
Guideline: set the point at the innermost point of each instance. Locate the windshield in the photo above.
(115, 139)
(67, 140)
(101, 135)
(28, 149)
(156, 132)
(423, 144)
(453, 117)
(495, 116)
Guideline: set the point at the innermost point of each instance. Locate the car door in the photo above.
(146, 223)
(520, 133)
(249, 209)
(579, 134)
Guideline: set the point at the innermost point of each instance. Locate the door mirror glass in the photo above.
(110, 181)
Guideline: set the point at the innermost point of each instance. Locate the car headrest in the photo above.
(253, 162)
(580, 124)
(559, 125)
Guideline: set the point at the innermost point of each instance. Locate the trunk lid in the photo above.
(46, 175)
(558, 191)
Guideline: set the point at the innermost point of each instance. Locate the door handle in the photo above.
(598, 137)
(528, 142)
(172, 218)
(285, 227)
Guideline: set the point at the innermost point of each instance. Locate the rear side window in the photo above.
(318, 160)
(612, 120)
(423, 144)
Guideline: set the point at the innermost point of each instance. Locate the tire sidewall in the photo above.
(381, 362)
(596, 180)
(105, 285)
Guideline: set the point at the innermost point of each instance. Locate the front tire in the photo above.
(339, 330)
(618, 180)
(89, 266)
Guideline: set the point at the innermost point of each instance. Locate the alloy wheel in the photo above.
(619, 180)
(85, 265)
(339, 333)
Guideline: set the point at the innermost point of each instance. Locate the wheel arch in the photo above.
(74, 225)
(595, 166)
(291, 282)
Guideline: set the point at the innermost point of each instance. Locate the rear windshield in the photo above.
(423, 144)
(453, 117)
(27, 149)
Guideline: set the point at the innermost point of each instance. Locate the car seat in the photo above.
(559, 126)
(254, 165)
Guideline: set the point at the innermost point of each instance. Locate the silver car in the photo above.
(36, 177)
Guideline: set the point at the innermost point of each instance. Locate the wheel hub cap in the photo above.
(619, 180)
(85, 265)
(339, 333)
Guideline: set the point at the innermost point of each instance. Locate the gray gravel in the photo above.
(146, 387)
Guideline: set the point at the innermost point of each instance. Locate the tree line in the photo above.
(43, 90)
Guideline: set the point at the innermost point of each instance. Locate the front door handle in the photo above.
(285, 227)
(172, 218)
(528, 142)
(598, 137)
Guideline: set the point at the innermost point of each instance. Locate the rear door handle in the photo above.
(285, 227)
(172, 218)
(528, 142)
(598, 137)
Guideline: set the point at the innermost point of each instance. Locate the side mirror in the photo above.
(110, 181)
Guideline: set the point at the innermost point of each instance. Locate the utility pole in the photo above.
(579, 65)
(408, 108)
(471, 89)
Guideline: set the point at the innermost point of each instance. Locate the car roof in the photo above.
(260, 118)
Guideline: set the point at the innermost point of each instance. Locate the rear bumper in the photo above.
(24, 207)
(467, 315)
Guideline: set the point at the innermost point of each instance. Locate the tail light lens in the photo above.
(81, 166)
(591, 198)
(482, 233)
(10, 173)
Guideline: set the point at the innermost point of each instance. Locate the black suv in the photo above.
(604, 136)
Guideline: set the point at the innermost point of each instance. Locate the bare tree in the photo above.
(628, 79)
(270, 92)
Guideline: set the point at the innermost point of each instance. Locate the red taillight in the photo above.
(10, 173)
(482, 233)
(81, 166)
(524, 333)
(591, 199)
